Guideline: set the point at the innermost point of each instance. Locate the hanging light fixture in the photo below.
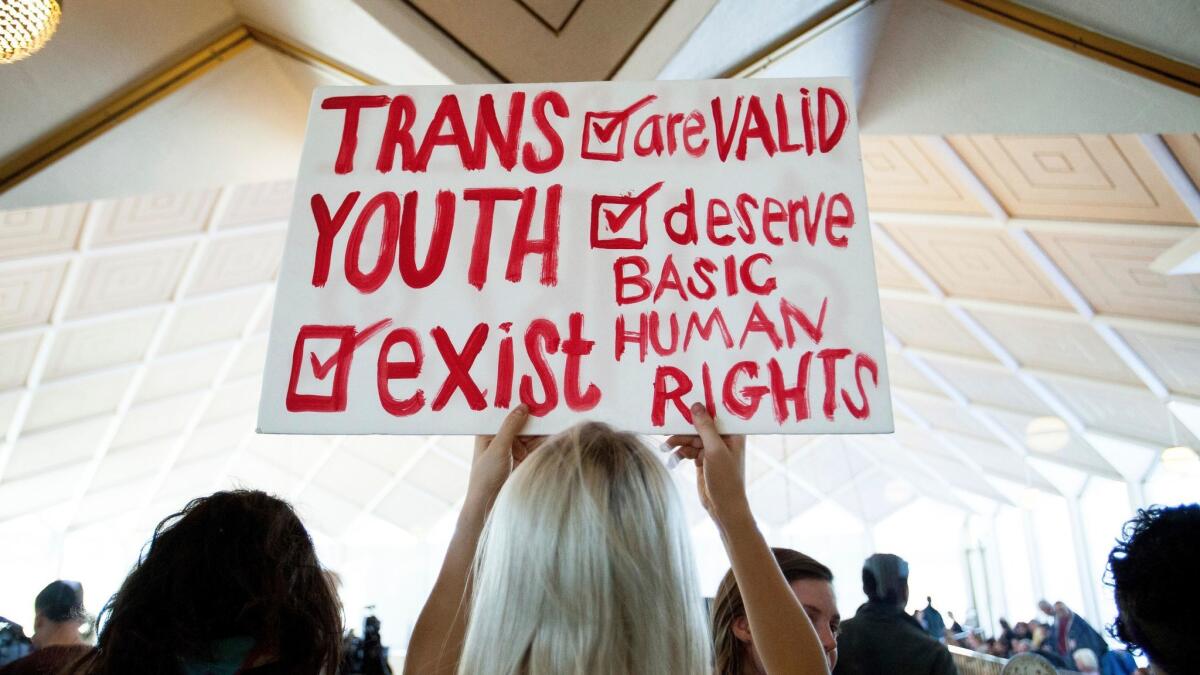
(1181, 460)
(1047, 434)
(26, 26)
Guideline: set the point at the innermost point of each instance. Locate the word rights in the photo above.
(609, 251)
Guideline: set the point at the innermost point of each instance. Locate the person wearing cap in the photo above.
(882, 639)
(57, 643)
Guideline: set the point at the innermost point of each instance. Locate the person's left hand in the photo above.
(720, 466)
(497, 456)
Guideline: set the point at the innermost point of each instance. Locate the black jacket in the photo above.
(882, 639)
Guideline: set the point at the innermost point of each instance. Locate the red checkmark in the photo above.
(336, 368)
(603, 125)
(617, 218)
(321, 370)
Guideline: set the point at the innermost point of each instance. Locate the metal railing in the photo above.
(974, 663)
(971, 662)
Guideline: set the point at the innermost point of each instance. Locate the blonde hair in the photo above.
(585, 567)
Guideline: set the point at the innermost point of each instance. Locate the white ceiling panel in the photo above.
(218, 437)
(871, 497)
(77, 398)
(16, 358)
(294, 454)
(28, 292)
(1125, 411)
(1063, 343)
(1077, 451)
(47, 229)
(439, 476)
(8, 407)
(1172, 352)
(250, 358)
(128, 279)
(234, 398)
(462, 447)
(945, 414)
(411, 509)
(956, 473)
(230, 262)
(156, 419)
(182, 373)
(37, 453)
(255, 203)
(755, 468)
(127, 464)
(251, 472)
(40, 491)
(325, 511)
(116, 501)
(191, 479)
(829, 465)
(926, 324)
(386, 453)
(903, 374)
(776, 500)
(351, 478)
(100, 344)
(990, 384)
(152, 216)
(210, 320)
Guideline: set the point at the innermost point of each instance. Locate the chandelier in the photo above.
(26, 26)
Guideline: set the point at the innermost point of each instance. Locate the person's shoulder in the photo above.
(47, 660)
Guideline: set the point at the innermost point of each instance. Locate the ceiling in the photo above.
(137, 270)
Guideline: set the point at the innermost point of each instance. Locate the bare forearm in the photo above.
(437, 638)
(783, 635)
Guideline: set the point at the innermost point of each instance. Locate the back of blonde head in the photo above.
(585, 567)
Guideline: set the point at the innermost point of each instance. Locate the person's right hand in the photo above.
(720, 466)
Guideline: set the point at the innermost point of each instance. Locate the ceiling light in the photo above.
(26, 26)
(1047, 434)
(1180, 459)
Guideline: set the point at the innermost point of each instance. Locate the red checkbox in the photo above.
(604, 132)
(619, 221)
(336, 359)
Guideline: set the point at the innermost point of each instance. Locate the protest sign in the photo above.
(610, 251)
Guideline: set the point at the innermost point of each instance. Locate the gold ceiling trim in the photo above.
(798, 37)
(1093, 45)
(143, 93)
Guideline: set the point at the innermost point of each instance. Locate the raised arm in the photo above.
(783, 635)
(437, 639)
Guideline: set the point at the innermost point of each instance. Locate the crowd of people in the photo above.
(571, 555)
(1058, 635)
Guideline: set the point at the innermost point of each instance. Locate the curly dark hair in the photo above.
(1153, 572)
(232, 564)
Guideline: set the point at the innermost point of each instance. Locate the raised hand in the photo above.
(497, 456)
(720, 466)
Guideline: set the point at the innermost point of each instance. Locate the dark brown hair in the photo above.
(1152, 570)
(728, 606)
(232, 564)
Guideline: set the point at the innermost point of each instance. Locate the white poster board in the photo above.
(610, 251)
